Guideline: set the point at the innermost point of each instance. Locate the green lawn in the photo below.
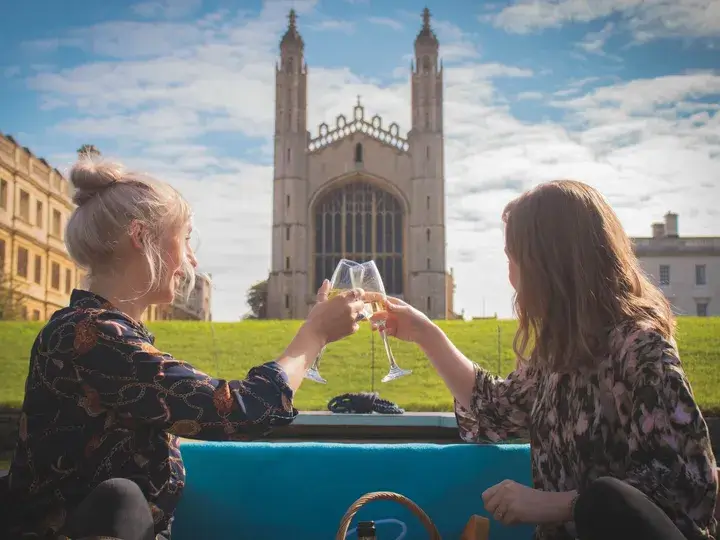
(236, 347)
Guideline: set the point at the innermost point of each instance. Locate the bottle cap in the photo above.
(366, 527)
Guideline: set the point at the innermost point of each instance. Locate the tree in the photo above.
(88, 150)
(257, 300)
(12, 298)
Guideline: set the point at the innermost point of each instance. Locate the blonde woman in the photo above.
(97, 453)
(619, 447)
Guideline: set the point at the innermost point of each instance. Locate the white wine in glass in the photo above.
(372, 282)
(344, 278)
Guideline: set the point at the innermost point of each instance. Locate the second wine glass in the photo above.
(344, 278)
(372, 282)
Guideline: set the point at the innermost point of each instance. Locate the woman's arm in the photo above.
(120, 369)
(487, 407)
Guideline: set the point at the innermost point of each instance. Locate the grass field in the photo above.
(229, 349)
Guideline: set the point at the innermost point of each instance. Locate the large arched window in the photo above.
(359, 222)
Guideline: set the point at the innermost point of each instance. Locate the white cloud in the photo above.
(166, 9)
(594, 42)
(386, 21)
(646, 19)
(530, 95)
(646, 143)
(336, 25)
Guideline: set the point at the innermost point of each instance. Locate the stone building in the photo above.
(35, 204)
(687, 269)
(360, 189)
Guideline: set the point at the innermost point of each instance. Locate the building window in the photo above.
(36, 315)
(3, 194)
(429, 304)
(287, 233)
(287, 263)
(427, 234)
(68, 280)
(427, 202)
(38, 269)
(428, 263)
(702, 310)
(56, 222)
(359, 222)
(55, 276)
(427, 152)
(700, 274)
(22, 262)
(2, 256)
(287, 201)
(288, 150)
(287, 301)
(24, 205)
(39, 214)
(358, 153)
(664, 274)
(24, 313)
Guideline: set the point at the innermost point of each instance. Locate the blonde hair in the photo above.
(111, 201)
(578, 276)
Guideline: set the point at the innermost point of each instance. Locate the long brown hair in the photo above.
(578, 276)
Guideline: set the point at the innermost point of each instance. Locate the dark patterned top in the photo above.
(634, 418)
(102, 402)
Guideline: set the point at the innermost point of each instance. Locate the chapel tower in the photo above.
(288, 275)
(359, 188)
(426, 256)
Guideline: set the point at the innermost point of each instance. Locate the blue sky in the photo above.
(622, 94)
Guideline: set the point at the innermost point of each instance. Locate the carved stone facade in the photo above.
(359, 189)
(34, 207)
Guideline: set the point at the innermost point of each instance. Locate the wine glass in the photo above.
(344, 278)
(371, 281)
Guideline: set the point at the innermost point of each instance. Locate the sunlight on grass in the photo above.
(347, 365)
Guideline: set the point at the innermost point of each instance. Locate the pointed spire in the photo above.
(426, 19)
(292, 36)
(426, 34)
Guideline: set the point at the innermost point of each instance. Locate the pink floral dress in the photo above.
(633, 418)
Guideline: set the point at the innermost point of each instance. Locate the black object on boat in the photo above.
(362, 403)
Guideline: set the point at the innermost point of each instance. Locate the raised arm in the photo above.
(486, 407)
(670, 456)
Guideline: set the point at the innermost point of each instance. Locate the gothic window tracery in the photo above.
(360, 222)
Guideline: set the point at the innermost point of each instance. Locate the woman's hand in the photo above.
(511, 503)
(402, 321)
(338, 317)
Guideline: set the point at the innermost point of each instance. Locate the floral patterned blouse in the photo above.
(634, 418)
(102, 402)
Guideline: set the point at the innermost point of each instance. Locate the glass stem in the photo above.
(316, 363)
(386, 343)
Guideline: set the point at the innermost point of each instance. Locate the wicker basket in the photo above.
(386, 496)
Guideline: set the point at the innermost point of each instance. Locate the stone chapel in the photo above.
(360, 189)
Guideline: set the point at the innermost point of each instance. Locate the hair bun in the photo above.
(90, 176)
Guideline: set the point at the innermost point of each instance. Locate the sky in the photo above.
(621, 94)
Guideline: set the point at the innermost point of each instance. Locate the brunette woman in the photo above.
(619, 447)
